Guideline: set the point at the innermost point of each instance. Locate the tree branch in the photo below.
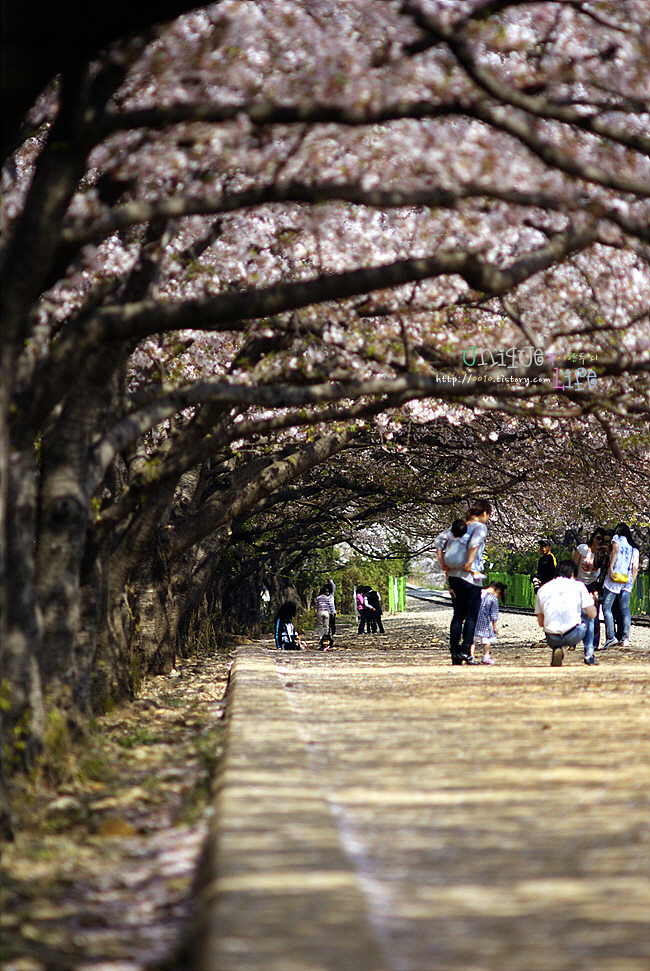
(245, 492)
(178, 207)
(540, 107)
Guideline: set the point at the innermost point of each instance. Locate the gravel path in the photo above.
(497, 816)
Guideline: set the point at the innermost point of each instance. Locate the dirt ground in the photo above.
(99, 874)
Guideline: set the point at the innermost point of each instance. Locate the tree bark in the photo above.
(23, 714)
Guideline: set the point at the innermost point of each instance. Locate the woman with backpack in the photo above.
(462, 561)
(623, 568)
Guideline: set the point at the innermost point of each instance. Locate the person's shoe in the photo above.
(487, 660)
(591, 660)
(611, 643)
(468, 659)
(557, 657)
(624, 644)
(456, 659)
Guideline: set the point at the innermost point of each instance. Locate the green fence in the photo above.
(396, 594)
(640, 596)
(522, 594)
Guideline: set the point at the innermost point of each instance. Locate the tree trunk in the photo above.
(93, 604)
(61, 544)
(280, 587)
(113, 675)
(120, 657)
(169, 598)
(66, 488)
(23, 713)
(154, 645)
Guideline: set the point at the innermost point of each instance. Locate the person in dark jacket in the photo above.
(375, 620)
(332, 590)
(546, 565)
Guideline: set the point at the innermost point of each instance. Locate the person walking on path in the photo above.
(605, 553)
(563, 606)
(466, 580)
(324, 609)
(358, 599)
(619, 580)
(485, 633)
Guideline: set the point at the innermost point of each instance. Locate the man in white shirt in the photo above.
(562, 607)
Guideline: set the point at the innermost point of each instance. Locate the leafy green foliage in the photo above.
(326, 564)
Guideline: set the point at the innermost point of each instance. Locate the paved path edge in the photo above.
(275, 890)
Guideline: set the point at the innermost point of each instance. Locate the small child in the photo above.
(325, 642)
(457, 529)
(485, 633)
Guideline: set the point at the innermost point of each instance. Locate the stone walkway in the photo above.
(380, 810)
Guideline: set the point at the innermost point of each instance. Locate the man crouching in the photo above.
(566, 611)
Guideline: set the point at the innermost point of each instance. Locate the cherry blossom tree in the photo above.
(230, 243)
